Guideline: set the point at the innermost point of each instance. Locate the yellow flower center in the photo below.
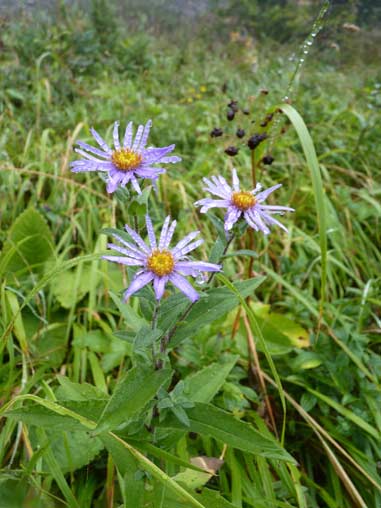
(126, 159)
(243, 200)
(161, 262)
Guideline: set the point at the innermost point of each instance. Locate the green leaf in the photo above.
(29, 243)
(206, 383)
(69, 415)
(214, 422)
(77, 391)
(131, 395)
(71, 286)
(73, 450)
(123, 453)
(215, 304)
(317, 185)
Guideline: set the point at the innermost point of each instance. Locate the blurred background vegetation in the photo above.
(67, 66)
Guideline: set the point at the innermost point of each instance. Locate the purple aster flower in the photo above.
(239, 202)
(158, 262)
(127, 161)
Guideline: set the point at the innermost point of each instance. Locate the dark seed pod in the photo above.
(268, 160)
(255, 140)
(234, 106)
(246, 111)
(216, 132)
(240, 133)
(230, 114)
(264, 91)
(231, 150)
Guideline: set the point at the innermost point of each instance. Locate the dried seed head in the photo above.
(216, 132)
(255, 140)
(240, 133)
(232, 151)
(230, 114)
(268, 160)
(234, 106)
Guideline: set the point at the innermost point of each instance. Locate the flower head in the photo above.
(240, 202)
(158, 263)
(127, 161)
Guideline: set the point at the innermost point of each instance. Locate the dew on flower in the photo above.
(241, 203)
(158, 263)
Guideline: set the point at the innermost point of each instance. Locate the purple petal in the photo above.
(137, 283)
(101, 142)
(264, 194)
(235, 180)
(208, 203)
(192, 267)
(188, 238)
(152, 155)
(115, 135)
(145, 135)
(128, 245)
(172, 159)
(231, 217)
(151, 233)
(137, 239)
(93, 150)
(159, 286)
(254, 220)
(184, 286)
(180, 253)
(128, 136)
(275, 209)
(135, 184)
(112, 184)
(170, 234)
(128, 252)
(83, 166)
(148, 172)
(86, 155)
(138, 137)
(272, 221)
(123, 261)
(164, 232)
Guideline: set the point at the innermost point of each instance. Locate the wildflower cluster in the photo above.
(130, 160)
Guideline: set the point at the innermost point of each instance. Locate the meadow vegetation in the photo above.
(298, 361)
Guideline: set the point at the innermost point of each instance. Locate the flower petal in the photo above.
(231, 217)
(145, 135)
(184, 286)
(93, 150)
(180, 253)
(101, 142)
(127, 140)
(137, 239)
(151, 233)
(137, 283)
(208, 203)
(115, 135)
(164, 232)
(264, 194)
(159, 286)
(235, 180)
(123, 261)
(138, 137)
(188, 238)
(193, 267)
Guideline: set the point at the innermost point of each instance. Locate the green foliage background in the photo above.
(67, 341)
